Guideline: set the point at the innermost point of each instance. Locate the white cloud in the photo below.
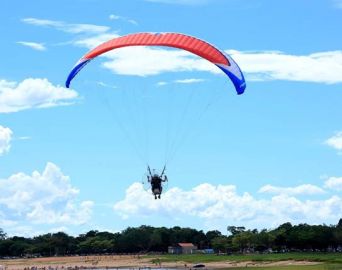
(4, 222)
(93, 41)
(334, 183)
(33, 45)
(114, 17)
(222, 203)
(24, 138)
(58, 229)
(335, 141)
(42, 198)
(322, 67)
(189, 81)
(17, 229)
(145, 61)
(33, 93)
(117, 17)
(162, 83)
(306, 189)
(5, 139)
(76, 28)
(181, 81)
(106, 85)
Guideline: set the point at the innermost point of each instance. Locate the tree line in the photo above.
(143, 239)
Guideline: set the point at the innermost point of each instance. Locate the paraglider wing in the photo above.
(175, 40)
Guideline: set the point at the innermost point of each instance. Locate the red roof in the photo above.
(186, 244)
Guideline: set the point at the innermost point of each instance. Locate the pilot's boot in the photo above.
(155, 197)
(159, 196)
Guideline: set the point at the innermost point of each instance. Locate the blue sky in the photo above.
(67, 156)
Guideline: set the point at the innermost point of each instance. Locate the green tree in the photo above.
(264, 240)
(243, 240)
(61, 243)
(220, 244)
(234, 230)
(210, 235)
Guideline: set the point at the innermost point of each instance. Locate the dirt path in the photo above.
(124, 261)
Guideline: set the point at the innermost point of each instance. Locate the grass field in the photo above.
(332, 258)
(327, 261)
(297, 267)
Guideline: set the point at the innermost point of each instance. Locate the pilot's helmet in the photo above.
(155, 173)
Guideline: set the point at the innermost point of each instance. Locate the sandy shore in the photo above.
(125, 261)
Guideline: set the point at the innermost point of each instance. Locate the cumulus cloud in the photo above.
(334, 183)
(73, 28)
(5, 139)
(322, 67)
(33, 93)
(223, 203)
(42, 198)
(33, 45)
(307, 189)
(146, 61)
(335, 141)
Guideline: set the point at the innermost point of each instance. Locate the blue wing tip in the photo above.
(239, 83)
(241, 88)
(74, 72)
(67, 83)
